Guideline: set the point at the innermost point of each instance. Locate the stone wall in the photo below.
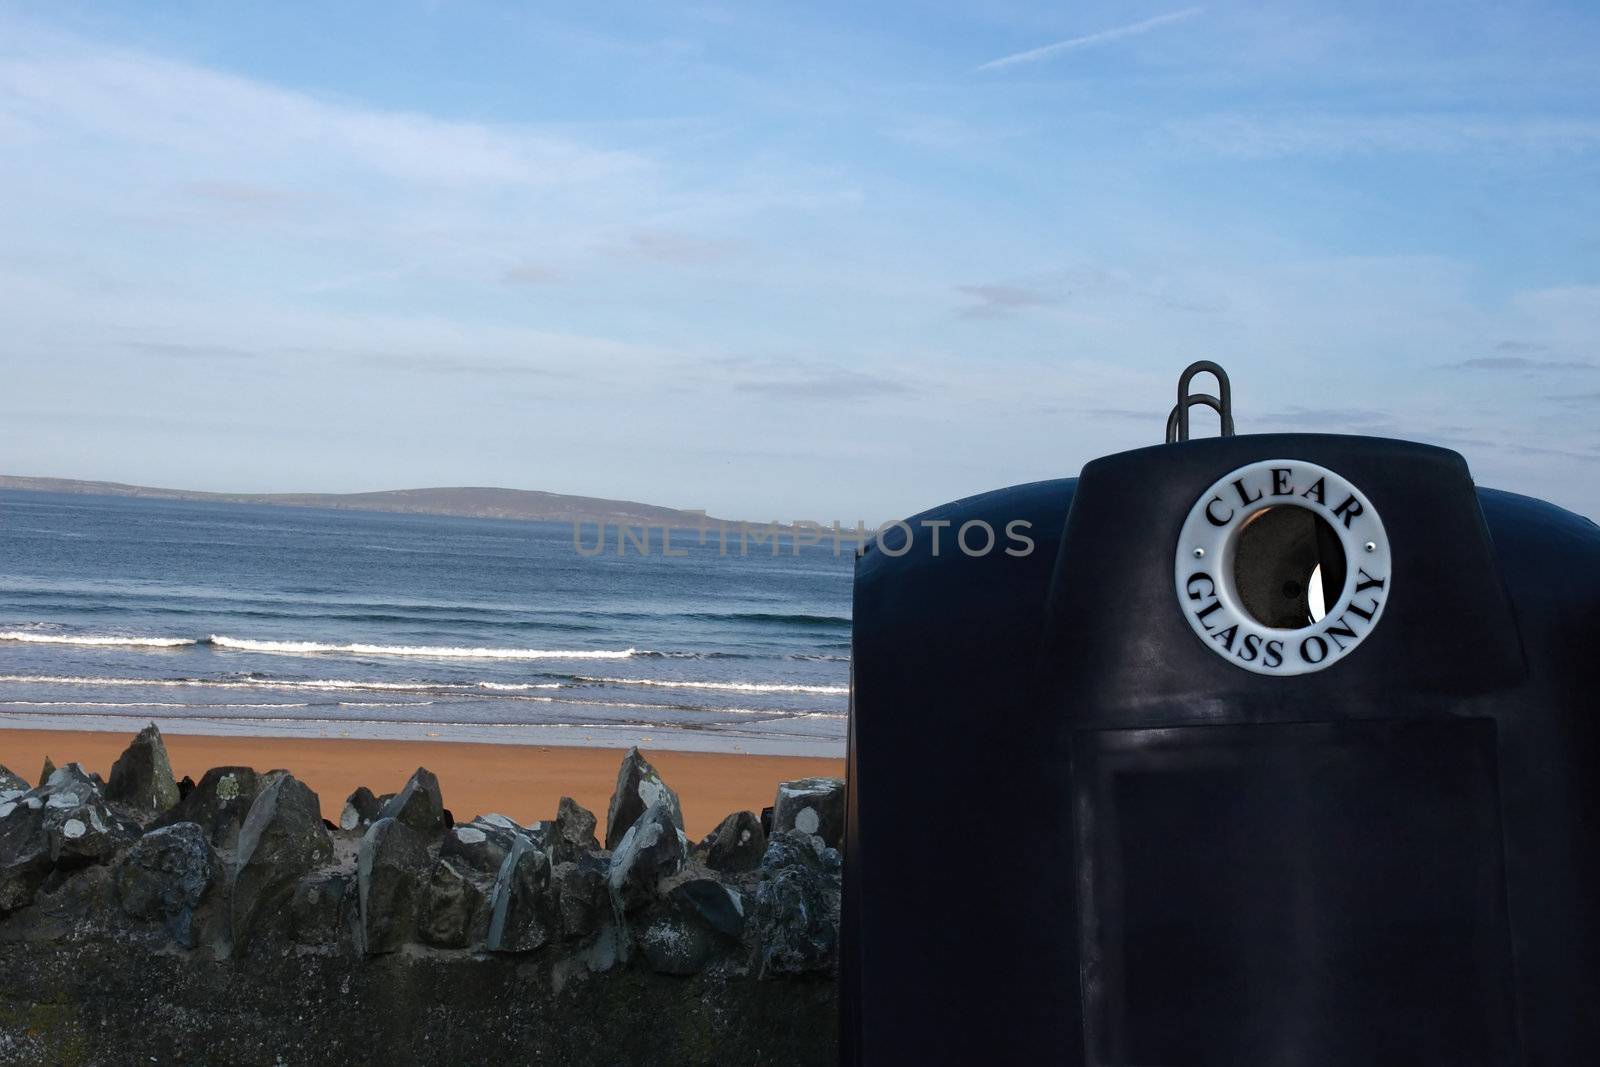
(145, 920)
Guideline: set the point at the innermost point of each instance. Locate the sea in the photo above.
(244, 619)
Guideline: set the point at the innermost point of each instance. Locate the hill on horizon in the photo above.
(477, 502)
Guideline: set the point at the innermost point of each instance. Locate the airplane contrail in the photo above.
(1036, 54)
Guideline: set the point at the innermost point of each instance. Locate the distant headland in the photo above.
(462, 501)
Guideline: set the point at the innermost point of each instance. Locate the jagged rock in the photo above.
(572, 833)
(697, 919)
(87, 833)
(814, 806)
(282, 841)
(638, 787)
(653, 848)
(219, 804)
(142, 776)
(519, 920)
(317, 912)
(11, 783)
(737, 844)
(455, 910)
(185, 786)
(675, 945)
(482, 844)
(46, 771)
(419, 805)
(720, 907)
(391, 865)
(581, 900)
(59, 826)
(796, 914)
(73, 904)
(165, 876)
(74, 779)
(766, 821)
(360, 810)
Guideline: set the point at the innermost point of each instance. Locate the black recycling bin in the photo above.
(1273, 750)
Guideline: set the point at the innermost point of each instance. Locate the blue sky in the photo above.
(812, 261)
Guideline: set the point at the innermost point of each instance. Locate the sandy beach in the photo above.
(521, 782)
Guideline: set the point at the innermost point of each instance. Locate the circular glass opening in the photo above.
(1288, 567)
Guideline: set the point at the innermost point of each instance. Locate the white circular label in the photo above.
(1207, 584)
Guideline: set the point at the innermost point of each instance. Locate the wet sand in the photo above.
(522, 782)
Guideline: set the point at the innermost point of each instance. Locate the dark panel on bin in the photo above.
(958, 856)
(1306, 894)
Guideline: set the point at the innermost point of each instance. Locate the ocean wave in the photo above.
(420, 688)
(324, 684)
(382, 704)
(243, 644)
(247, 615)
(778, 617)
(41, 634)
(341, 683)
(803, 657)
(736, 687)
(347, 721)
(517, 687)
(240, 644)
(136, 704)
(509, 691)
(98, 640)
(223, 683)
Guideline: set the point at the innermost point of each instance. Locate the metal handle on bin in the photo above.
(1222, 403)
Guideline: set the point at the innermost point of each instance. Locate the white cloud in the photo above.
(206, 116)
